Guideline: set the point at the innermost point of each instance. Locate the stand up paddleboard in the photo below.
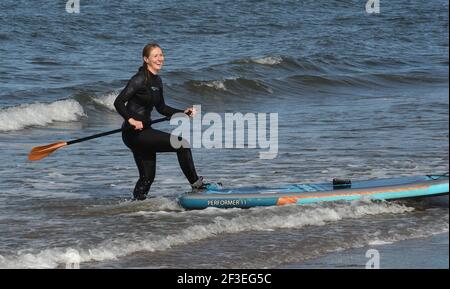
(378, 189)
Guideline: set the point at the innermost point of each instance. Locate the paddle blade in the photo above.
(41, 152)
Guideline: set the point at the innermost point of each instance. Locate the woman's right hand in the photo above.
(138, 125)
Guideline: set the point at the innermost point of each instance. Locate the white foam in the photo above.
(268, 60)
(379, 243)
(216, 84)
(19, 117)
(413, 233)
(258, 219)
(107, 100)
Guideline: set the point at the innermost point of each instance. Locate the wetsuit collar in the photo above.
(143, 69)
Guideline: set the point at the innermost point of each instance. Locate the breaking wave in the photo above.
(107, 100)
(39, 114)
(256, 219)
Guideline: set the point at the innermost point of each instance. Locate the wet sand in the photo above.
(427, 253)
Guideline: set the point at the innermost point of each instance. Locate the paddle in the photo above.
(41, 152)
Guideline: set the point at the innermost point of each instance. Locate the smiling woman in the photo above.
(135, 103)
(153, 57)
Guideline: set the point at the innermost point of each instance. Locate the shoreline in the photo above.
(424, 253)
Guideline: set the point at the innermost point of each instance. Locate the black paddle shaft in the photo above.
(113, 131)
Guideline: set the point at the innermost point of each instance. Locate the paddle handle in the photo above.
(114, 131)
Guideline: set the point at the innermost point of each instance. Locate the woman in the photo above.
(135, 103)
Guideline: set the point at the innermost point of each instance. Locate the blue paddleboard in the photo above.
(379, 189)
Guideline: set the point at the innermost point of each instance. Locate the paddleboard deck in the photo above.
(378, 189)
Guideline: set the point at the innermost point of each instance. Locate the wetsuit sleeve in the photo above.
(164, 109)
(128, 92)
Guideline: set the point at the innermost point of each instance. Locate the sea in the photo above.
(358, 95)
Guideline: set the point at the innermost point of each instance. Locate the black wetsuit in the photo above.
(143, 92)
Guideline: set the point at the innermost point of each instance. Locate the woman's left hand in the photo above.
(190, 111)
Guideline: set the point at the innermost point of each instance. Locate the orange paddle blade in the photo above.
(41, 152)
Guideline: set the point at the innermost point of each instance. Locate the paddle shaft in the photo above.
(112, 132)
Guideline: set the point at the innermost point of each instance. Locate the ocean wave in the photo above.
(107, 100)
(317, 81)
(39, 114)
(410, 77)
(271, 60)
(256, 219)
(235, 85)
(267, 60)
(284, 62)
(215, 84)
